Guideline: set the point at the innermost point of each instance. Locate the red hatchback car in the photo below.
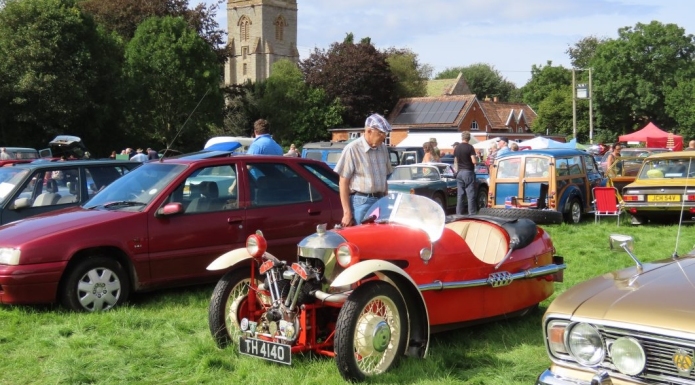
(161, 225)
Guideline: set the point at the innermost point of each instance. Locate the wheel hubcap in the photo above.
(99, 289)
(382, 336)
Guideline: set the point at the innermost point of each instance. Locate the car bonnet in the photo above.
(663, 296)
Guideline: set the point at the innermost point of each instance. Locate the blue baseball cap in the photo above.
(379, 122)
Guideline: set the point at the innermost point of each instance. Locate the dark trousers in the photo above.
(465, 184)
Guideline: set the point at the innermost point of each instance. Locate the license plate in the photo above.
(266, 350)
(663, 198)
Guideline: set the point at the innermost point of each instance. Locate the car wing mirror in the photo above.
(170, 209)
(21, 203)
(626, 243)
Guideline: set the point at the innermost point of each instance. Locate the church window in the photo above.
(245, 69)
(244, 27)
(280, 28)
(244, 52)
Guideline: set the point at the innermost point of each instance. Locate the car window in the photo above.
(208, 189)
(315, 155)
(328, 177)
(278, 184)
(508, 168)
(576, 167)
(590, 164)
(98, 177)
(141, 185)
(562, 167)
(667, 168)
(9, 178)
(48, 187)
(536, 167)
(333, 156)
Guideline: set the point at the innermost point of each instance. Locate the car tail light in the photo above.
(689, 197)
(256, 244)
(347, 254)
(633, 198)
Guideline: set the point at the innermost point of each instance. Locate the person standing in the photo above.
(691, 146)
(429, 153)
(363, 167)
(465, 157)
(264, 143)
(292, 151)
(139, 156)
(613, 166)
(3, 154)
(502, 146)
(436, 154)
(152, 154)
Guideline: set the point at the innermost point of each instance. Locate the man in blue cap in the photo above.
(363, 167)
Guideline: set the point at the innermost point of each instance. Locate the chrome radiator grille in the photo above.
(659, 349)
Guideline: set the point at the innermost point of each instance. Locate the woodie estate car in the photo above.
(161, 225)
(539, 182)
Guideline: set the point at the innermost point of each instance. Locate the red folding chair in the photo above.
(607, 203)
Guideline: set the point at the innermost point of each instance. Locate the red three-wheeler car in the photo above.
(370, 294)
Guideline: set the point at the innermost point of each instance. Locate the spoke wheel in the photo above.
(371, 331)
(95, 284)
(229, 305)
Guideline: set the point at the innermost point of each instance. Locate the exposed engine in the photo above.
(289, 288)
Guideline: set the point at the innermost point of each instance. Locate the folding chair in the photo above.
(607, 203)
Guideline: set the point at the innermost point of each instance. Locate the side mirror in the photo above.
(170, 209)
(21, 203)
(626, 243)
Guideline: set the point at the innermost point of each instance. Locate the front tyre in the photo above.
(229, 304)
(371, 331)
(95, 284)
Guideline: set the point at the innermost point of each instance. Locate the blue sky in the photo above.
(511, 35)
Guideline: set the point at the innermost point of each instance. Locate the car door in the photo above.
(182, 246)
(286, 204)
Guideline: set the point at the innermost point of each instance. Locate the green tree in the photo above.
(60, 75)
(124, 17)
(357, 74)
(583, 51)
(297, 112)
(483, 80)
(173, 79)
(412, 76)
(680, 104)
(544, 80)
(633, 72)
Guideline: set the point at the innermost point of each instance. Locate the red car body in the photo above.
(369, 294)
(153, 238)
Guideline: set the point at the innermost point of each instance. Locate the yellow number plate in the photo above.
(663, 198)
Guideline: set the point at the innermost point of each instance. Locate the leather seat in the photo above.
(50, 196)
(487, 242)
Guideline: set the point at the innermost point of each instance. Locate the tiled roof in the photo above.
(498, 113)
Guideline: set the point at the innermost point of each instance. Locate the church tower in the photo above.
(261, 32)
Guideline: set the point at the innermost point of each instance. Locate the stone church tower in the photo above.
(261, 32)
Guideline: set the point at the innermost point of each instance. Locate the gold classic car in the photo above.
(632, 326)
(664, 188)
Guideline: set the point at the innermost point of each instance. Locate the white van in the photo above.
(245, 142)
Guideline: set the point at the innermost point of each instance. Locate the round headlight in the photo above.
(346, 254)
(585, 344)
(256, 245)
(628, 356)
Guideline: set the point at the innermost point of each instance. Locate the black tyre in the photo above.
(439, 198)
(97, 283)
(371, 331)
(541, 217)
(481, 198)
(229, 304)
(574, 214)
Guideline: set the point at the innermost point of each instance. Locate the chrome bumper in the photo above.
(550, 378)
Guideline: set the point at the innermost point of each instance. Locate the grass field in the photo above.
(163, 338)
